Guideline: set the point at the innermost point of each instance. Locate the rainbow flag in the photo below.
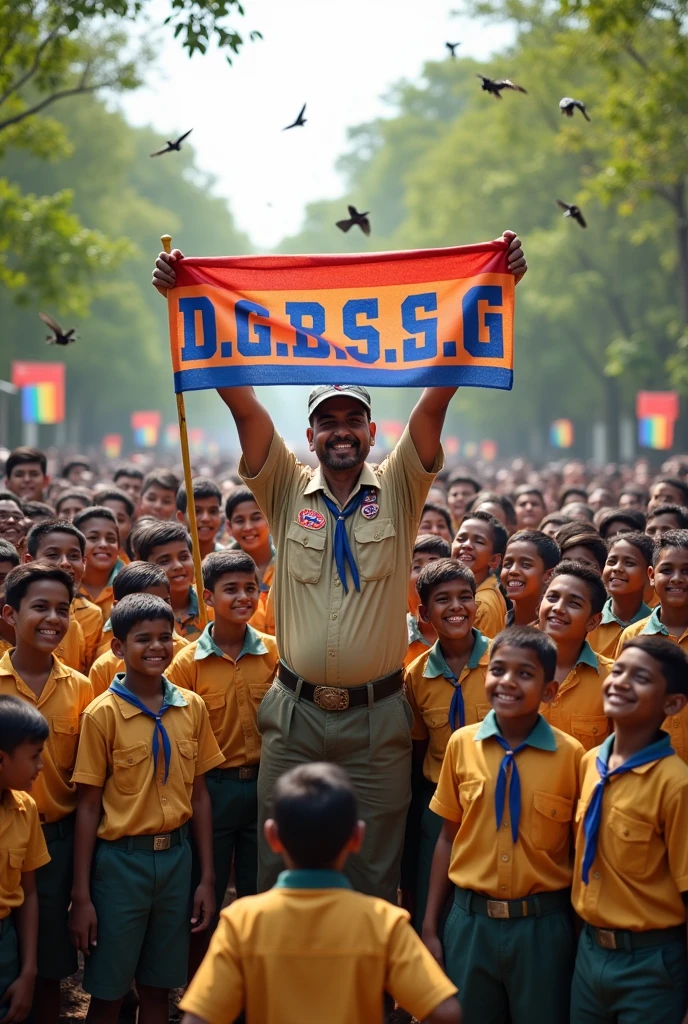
(146, 427)
(39, 403)
(42, 391)
(655, 432)
(657, 412)
(561, 434)
(389, 319)
(112, 446)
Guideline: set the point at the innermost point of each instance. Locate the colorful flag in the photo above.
(561, 434)
(42, 391)
(657, 412)
(488, 450)
(390, 319)
(146, 426)
(112, 446)
(171, 435)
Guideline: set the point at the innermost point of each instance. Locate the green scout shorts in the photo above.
(141, 899)
(57, 957)
(9, 958)
(234, 803)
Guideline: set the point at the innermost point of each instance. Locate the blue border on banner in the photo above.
(271, 375)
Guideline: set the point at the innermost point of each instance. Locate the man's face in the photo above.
(11, 522)
(27, 481)
(530, 509)
(656, 527)
(159, 502)
(665, 494)
(131, 485)
(77, 474)
(629, 499)
(341, 435)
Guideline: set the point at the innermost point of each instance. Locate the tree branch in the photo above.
(62, 94)
(34, 67)
(634, 55)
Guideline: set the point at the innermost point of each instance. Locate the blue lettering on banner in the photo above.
(188, 308)
(361, 332)
(297, 311)
(427, 301)
(260, 344)
(494, 322)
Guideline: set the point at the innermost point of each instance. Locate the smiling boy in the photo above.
(436, 519)
(159, 495)
(169, 546)
(527, 565)
(123, 508)
(530, 507)
(421, 633)
(11, 519)
(625, 576)
(102, 562)
(480, 544)
(8, 560)
(26, 474)
(207, 498)
(249, 528)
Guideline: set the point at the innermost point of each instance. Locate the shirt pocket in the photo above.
(215, 705)
(188, 754)
(551, 824)
(376, 548)
(590, 730)
(257, 691)
(14, 861)
(629, 840)
(436, 721)
(469, 792)
(65, 739)
(130, 767)
(305, 552)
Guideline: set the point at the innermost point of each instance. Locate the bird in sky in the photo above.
(355, 218)
(59, 336)
(568, 105)
(495, 86)
(299, 122)
(452, 49)
(573, 211)
(173, 147)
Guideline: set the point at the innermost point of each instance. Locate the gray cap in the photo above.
(324, 391)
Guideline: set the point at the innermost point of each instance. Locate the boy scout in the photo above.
(660, 520)
(249, 530)
(581, 542)
(123, 508)
(625, 577)
(421, 635)
(169, 546)
(630, 881)
(311, 949)
(344, 535)
(37, 599)
(480, 544)
(159, 495)
(570, 609)
(527, 565)
(8, 560)
(207, 498)
(99, 527)
(144, 750)
(26, 474)
(23, 731)
(507, 791)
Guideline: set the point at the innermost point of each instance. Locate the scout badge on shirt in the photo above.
(311, 519)
(369, 506)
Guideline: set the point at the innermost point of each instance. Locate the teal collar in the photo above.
(414, 633)
(658, 747)
(119, 564)
(206, 646)
(436, 664)
(541, 737)
(654, 624)
(312, 878)
(107, 628)
(609, 616)
(588, 657)
(171, 693)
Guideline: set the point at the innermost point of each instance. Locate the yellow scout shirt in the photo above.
(108, 665)
(577, 708)
(312, 950)
(604, 640)
(261, 619)
(650, 597)
(641, 864)
(22, 846)
(5, 645)
(71, 650)
(105, 598)
(116, 753)
(677, 725)
(325, 635)
(232, 690)
(429, 691)
(62, 702)
(90, 618)
(490, 617)
(486, 859)
(417, 644)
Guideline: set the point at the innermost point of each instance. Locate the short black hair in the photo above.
(135, 577)
(530, 639)
(499, 533)
(162, 478)
(589, 540)
(157, 533)
(596, 588)
(630, 516)
(133, 471)
(38, 533)
(441, 510)
(546, 547)
(23, 456)
(577, 507)
(635, 490)
(95, 512)
(8, 552)
(638, 540)
(73, 492)
(558, 518)
(114, 494)
(6, 495)
(672, 481)
(203, 487)
(527, 489)
(141, 524)
(238, 497)
(443, 570)
(21, 577)
(37, 510)
(221, 563)
(314, 807)
(671, 658)
(679, 511)
(431, 544)
(565, 495)
(77, 460)
(135, 608)
(492, 498)
(20, 722)
(459, 476)
(670, 539)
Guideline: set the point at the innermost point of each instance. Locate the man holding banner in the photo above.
(344, 532)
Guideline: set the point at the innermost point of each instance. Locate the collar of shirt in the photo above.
(659, 745)
(58, 671)
(171, 695)
(318, 483)
(119, 564)
(609, 616)
(654, 624)
(194, 608)
(489, 583)
(205, 645)
(541, 736)
(588, 657)
(414, 633)
(107, 628)
(312, 878)
(436, 664)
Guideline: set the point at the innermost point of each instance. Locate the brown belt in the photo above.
(339, 698)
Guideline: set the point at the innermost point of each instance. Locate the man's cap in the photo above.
(324, 391)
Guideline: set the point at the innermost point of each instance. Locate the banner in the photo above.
(657, 412)
(112, 446)
(389, 319)
(146, 426)
(42, 391)
(561, 434)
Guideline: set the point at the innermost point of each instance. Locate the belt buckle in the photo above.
(246, 771)
(161, 843)
(606, 938)
(498, 908)
(331, 698)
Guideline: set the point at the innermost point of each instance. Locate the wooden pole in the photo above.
(166, 241)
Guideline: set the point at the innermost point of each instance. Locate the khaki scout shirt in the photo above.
(324, 635)
(577, 706)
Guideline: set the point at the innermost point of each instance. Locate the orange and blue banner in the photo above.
(42, 391)
(428, 317)
(657, 412)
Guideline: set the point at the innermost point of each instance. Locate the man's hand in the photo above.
(83, 925)
(19, 996)
(203, 906)
(164, 275)
(515, 255)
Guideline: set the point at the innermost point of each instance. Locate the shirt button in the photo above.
(130, 760)
(503, 888)
(336, 583)
(626, 832)
(505, 857)
(554, 814)
(164, 799)
(596, 875)
(594, 730)
(331, 653)
(334, 615)
(377, 536)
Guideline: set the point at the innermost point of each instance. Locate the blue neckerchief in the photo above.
(342, 547)
(457, 706)
(509, 759)
(593, 814)
(159, 730)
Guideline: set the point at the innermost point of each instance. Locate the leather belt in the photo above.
(340, 698)
(530, 906)
(617, 938)
(245, 773)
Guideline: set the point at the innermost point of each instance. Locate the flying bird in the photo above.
(573, 212)
(355, 218)
(452, 49)
(59, 335)
(299, 122)
(173, 146)
(495, 87)
(568, 105)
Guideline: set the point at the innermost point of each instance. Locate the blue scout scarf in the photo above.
(593, 815)
(509, 760)
(159, 730)
(342, 548)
